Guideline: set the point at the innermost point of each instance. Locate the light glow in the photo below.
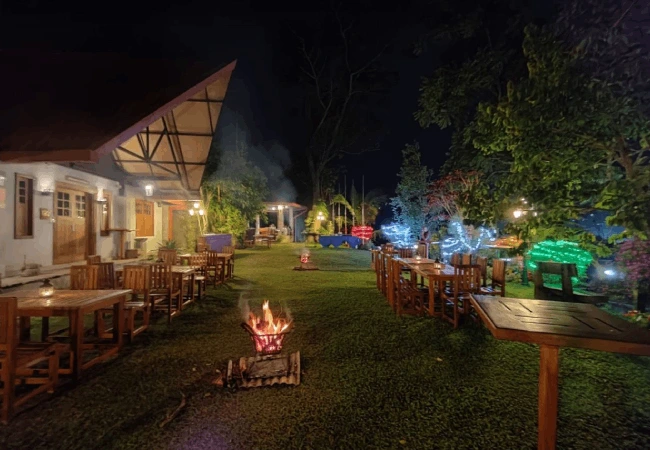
(148, 190)
(196, 205)
(399, 235)
(460, 241)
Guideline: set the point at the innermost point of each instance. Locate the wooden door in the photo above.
(70, 226)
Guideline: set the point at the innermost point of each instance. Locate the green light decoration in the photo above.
(561, 252)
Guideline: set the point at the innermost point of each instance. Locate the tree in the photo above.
(343, 82)
(234, 195)
(411, 205)
(369, 206)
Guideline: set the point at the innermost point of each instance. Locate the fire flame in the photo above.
(304, 258)
(269, 331)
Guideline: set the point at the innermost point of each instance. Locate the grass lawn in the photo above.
(370, 379)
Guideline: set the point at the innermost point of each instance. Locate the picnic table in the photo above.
(553, 325)
(74, 305)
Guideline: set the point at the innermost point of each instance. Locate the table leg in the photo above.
(548, 397)
(76, 341)
(118, 321)
(432, 295)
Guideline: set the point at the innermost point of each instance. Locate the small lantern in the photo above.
(191, 212)
(201, 212)
(148, 190)
(418, 258)
(196, 205)
(46, 289)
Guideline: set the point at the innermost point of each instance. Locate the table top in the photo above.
(418, 261)
(561, 324)
(175, 269)
(67, 300)
(427, 270)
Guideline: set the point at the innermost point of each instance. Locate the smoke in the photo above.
(272, 158)
(244, 307)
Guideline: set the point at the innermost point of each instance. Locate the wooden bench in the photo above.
(566, 293)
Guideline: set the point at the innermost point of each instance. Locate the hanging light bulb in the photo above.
(201, 212)
(196, 205)
(517, 213)
(191, 212)
(148, 190)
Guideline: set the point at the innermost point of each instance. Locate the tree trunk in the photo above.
(642, 295)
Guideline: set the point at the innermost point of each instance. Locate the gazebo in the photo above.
(292, 210)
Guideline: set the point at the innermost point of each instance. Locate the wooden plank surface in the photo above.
(66, 300)
(418, 261)
(561, 324)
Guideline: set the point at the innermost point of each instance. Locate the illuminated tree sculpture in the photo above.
(462, 240)
(561, 252)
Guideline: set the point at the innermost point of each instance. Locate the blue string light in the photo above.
(460, 241)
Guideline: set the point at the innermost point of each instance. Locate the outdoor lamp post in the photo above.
(518, 213)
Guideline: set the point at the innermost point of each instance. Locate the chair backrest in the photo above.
(455, 259)
(137, 278)
(228, 249)
(567, 271)
(105, 275)
(499, 272)
(8, 306)
(423, 250)
(212, 258)
(405, 252)
(482, 263)
(161, 276)
(466, 259)
(168, 255)
(94, 259)
(83, 277)
(467, 278)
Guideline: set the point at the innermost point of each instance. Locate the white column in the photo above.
(257, 224)
(291, 224)
(280, 224)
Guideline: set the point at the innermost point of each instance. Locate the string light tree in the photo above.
(461, 241)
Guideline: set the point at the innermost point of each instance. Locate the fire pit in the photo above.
(305, 261)
(268, 367)
(267, 332)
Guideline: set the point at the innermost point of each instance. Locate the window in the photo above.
(143, 218)
(80, 204)
(24, 208)
(63, 206)
(105, 221)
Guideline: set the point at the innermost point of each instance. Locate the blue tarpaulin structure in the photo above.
(337, 241)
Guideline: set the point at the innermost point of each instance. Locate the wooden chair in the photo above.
(106, 275)
(23, 364)
(83, 277)
(137, 278)
(498, 286)
(165, 287)
(231, 262)
(198, 263)
(168, 256)
(455, 259)
(423, 250)
(406, 252)
(94, 259)
(213, 267)
(482, 263)
(409, 298)
(456, 300)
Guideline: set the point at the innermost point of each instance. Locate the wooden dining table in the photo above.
(436, 279)
(74, 304)
(552, 325)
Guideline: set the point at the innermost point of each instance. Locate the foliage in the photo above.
(311, 221)
(569, 132)
(368, 208)
(234, 195)
(410, 205)
(170, 244)
(634, 256)
(448, 194)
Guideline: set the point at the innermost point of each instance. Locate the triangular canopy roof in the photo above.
(157, 117)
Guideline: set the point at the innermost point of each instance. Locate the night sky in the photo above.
(260, 92)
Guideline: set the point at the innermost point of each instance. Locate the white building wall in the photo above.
(39, 249)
